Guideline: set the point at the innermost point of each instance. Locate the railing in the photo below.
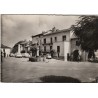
(47, 44)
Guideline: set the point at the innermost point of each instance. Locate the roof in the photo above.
(57, 31)
(24, 42)
(38, 35)
(21, 42)
(3, 46)
(50, 32)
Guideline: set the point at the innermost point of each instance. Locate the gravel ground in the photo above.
(21, 70)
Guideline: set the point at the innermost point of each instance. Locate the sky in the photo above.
(21, 27)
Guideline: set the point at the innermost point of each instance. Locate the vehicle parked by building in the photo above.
(26, 55)
(48, 56)
(12, 55)
(18, 55)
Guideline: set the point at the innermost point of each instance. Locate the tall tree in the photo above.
(86, 29)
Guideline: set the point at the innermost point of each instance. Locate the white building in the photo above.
(63, 42)
(5, 50)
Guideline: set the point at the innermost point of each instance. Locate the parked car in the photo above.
(18, 55)
(12, 55)
(26, 55)
(48, 56)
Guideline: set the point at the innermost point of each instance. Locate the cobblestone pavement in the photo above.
(21, 70)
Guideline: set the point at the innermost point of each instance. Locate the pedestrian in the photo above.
(80, 55)
(44, 58)
(1, 56)
(4, 54)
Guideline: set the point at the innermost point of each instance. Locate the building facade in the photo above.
(21, 46)
(63, 42)
(5, 50)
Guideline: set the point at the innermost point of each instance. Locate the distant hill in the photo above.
(3, 46)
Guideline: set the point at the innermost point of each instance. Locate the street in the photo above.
(20, 70)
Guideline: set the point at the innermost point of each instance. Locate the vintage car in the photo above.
(48, 56)
(18, 55)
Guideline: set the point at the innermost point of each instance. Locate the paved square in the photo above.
(21, 70)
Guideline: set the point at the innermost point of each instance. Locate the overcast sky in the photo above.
(20, 27)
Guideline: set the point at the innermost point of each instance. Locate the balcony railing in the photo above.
(47, 43)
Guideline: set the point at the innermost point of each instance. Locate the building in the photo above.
(63, 42)
(37, 42)
(21, 46)
(5, 50)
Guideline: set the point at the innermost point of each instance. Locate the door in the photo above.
(58, 50)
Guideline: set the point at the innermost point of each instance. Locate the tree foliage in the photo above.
(34, 51)
(15, 48)
(23, 51)
(86, 29)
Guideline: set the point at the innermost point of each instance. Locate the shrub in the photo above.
(23, 51)
(33, 59)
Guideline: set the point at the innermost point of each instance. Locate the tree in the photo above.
(15, 48)
(86, 29)
(34, 51)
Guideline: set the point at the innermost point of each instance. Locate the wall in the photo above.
(67, 49)
(59, 42)
(7, 51)
(35, 40)
(73, 45)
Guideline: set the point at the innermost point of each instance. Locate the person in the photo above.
(44, 57)
(52, 52)
(1, 56)
(80, 55)
(68, 57)
(4, 54)
(71, 57)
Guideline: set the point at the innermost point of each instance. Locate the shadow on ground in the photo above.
(59, 79)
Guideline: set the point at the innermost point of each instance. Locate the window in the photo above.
(64, 37)
(51, 40)
(44, 40)
(44, 48)
(40, 42)
(77, 43)
(55, 39)
(50, 48)
(58, 49)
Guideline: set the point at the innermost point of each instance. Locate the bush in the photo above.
(33, 59)
(93, 61)
(23, 51)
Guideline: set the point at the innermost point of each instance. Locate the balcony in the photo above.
(48, 43)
